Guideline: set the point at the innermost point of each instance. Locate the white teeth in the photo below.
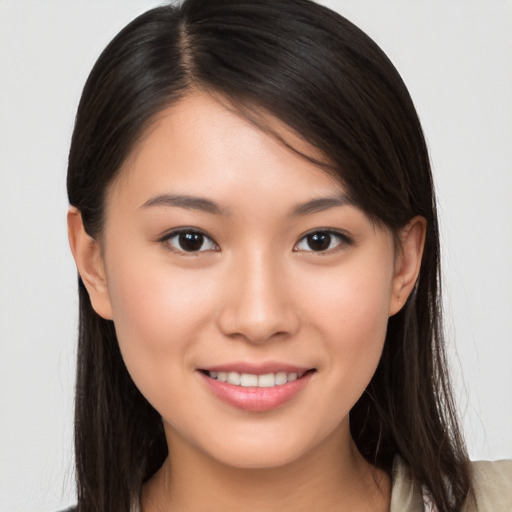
(281, 378)
(234, 378)
(267, 381)
(247, 380)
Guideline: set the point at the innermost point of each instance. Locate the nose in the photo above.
(256, 303)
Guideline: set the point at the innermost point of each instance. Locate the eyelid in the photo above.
(164, 240)
(344, 241)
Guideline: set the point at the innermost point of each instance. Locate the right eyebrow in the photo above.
(186, 201)
(322, 203)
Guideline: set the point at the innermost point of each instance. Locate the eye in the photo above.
(322, 241)
(187, 240)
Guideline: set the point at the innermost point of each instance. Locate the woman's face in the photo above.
(228, 256)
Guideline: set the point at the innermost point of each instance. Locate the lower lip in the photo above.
(254, 398)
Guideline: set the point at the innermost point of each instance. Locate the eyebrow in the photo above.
(187, 202)
(321, 204)
(206, 205)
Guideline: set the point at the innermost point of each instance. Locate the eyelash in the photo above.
(166, 240)
(343, 241)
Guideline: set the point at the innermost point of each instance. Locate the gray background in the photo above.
(455, 56)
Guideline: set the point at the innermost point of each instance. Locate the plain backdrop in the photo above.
(456, 58)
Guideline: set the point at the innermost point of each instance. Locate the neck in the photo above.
(333, 477)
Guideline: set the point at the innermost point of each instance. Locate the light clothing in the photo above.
(492, 483)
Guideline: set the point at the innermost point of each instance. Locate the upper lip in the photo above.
(256, 368)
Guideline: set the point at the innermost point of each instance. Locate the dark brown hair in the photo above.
(327, 80)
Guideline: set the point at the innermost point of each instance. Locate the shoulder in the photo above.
(493, 485)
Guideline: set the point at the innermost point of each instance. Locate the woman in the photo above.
(253, 220)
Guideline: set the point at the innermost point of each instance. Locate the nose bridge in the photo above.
(256, 305)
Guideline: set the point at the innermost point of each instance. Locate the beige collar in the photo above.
(406, 495)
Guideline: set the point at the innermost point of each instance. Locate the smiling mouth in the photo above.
(251, 380)
(256, 389)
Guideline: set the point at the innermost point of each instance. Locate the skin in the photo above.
(258, 292)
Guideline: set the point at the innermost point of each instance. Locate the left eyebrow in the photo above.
(321, 204)
(187, 202)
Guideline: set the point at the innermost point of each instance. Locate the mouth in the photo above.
(248, 380)
(256, 389)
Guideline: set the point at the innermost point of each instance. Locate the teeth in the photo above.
(247, 380)
(281, 378)
(267, 381)
(234, 378)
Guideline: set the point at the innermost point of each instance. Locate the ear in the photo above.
(89, 261)
(408, 262)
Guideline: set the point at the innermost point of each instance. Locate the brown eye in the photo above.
(190, 241)
(321, 241)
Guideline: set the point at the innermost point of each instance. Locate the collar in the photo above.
(406, 495)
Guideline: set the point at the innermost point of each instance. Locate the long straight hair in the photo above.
(332, 85)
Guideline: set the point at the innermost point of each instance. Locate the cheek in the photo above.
(158, 314)
(351, 309)
(150, 295)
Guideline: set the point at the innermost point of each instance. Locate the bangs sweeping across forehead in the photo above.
(328, 81)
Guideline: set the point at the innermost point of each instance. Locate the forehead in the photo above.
(203, 144)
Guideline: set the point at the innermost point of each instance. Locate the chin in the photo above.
(269, 447)
(262, 458)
